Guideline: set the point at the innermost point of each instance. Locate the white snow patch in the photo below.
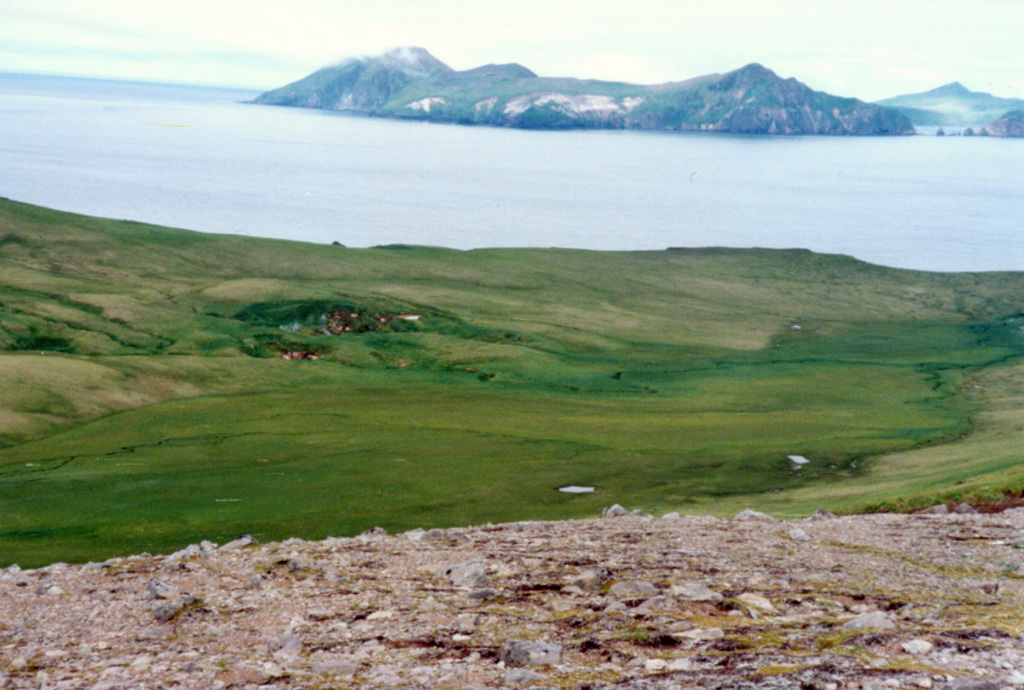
(576, 489)
(631, 102)
(798, 460)
(570, 105)
(487, 104)
(425, 104)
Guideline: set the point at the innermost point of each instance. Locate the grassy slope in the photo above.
(133, 415)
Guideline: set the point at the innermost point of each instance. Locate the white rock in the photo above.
(749, 514)
(875, 620)
(917, 647)
(756, 601)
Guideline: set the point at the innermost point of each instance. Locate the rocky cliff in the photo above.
(412, 84)
(1009, 125)
(625, 601)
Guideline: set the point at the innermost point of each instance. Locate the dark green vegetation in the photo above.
(411, 83)
(952, 104)
(146, 400)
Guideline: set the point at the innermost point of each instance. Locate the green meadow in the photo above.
(160, 386)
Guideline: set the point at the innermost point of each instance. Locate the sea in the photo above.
(208, 159)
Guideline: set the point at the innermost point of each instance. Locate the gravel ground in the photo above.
(867, 601)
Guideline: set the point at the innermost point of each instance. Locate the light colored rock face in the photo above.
(704, 603)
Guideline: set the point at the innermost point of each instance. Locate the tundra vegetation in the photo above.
(158, 386)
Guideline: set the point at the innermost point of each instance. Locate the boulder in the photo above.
(530, 653)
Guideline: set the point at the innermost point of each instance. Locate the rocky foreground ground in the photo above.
(625, 601)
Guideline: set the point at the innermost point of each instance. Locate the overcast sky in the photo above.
(870, 49)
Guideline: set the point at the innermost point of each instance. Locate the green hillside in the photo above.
(160, 386)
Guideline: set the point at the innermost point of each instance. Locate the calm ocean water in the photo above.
(203, 160)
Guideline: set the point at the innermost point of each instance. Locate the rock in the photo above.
(286, 645)
(169, 610)
(530, 653)
(757, 602)
(965, 509)
(990, 588)
(468, 574)
(467, 622)
(702, 634)
(517, 676)
(671, 516)
(200, 550)
(681, 664)
(822, 514)
(692, 591)
(335, 668)
(591, 579)
(614, 511)
(156, 589)
(917, 647)
(635, 588)
(240, 543)
(876, 620)
(655, 665)
(970, 684)
(654, 604)
(749, 514)
(479, 596)
(797, 534)
(381, 615)
(940, 509)
(374, 533)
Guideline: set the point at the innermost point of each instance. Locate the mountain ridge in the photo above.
(952, 104)
(409, 83)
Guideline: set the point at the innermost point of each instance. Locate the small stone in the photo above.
(875, 620)
(965, 509)
(681, 664)
(240, 543)
(991, 588)
(287, 645)
(468, 574)
(797, 534)
(635, 588)
(254, 582)
(821, 514)
(655, 665)
(940, 509)
(671, 516)
(374, 533)
(467, 622)
(922, 682)
(749, 514)
(614, 511)
(479, 596)
(757, 602)
(591, 579)
(692, 591)
(169, 610)
(335, 668)
(380, 615)
(654, 604)
(530, 653)
(155, 589)
(917, 647)
(703, 634)
(517, 676)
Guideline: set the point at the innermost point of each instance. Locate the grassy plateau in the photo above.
(160, 386)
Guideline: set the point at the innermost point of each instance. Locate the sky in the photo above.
(869, 49)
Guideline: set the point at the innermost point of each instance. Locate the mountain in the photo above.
(410, 83)
(1009, 125)
(952, 104)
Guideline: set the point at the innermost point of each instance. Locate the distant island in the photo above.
(953, 105)
(410, 83)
